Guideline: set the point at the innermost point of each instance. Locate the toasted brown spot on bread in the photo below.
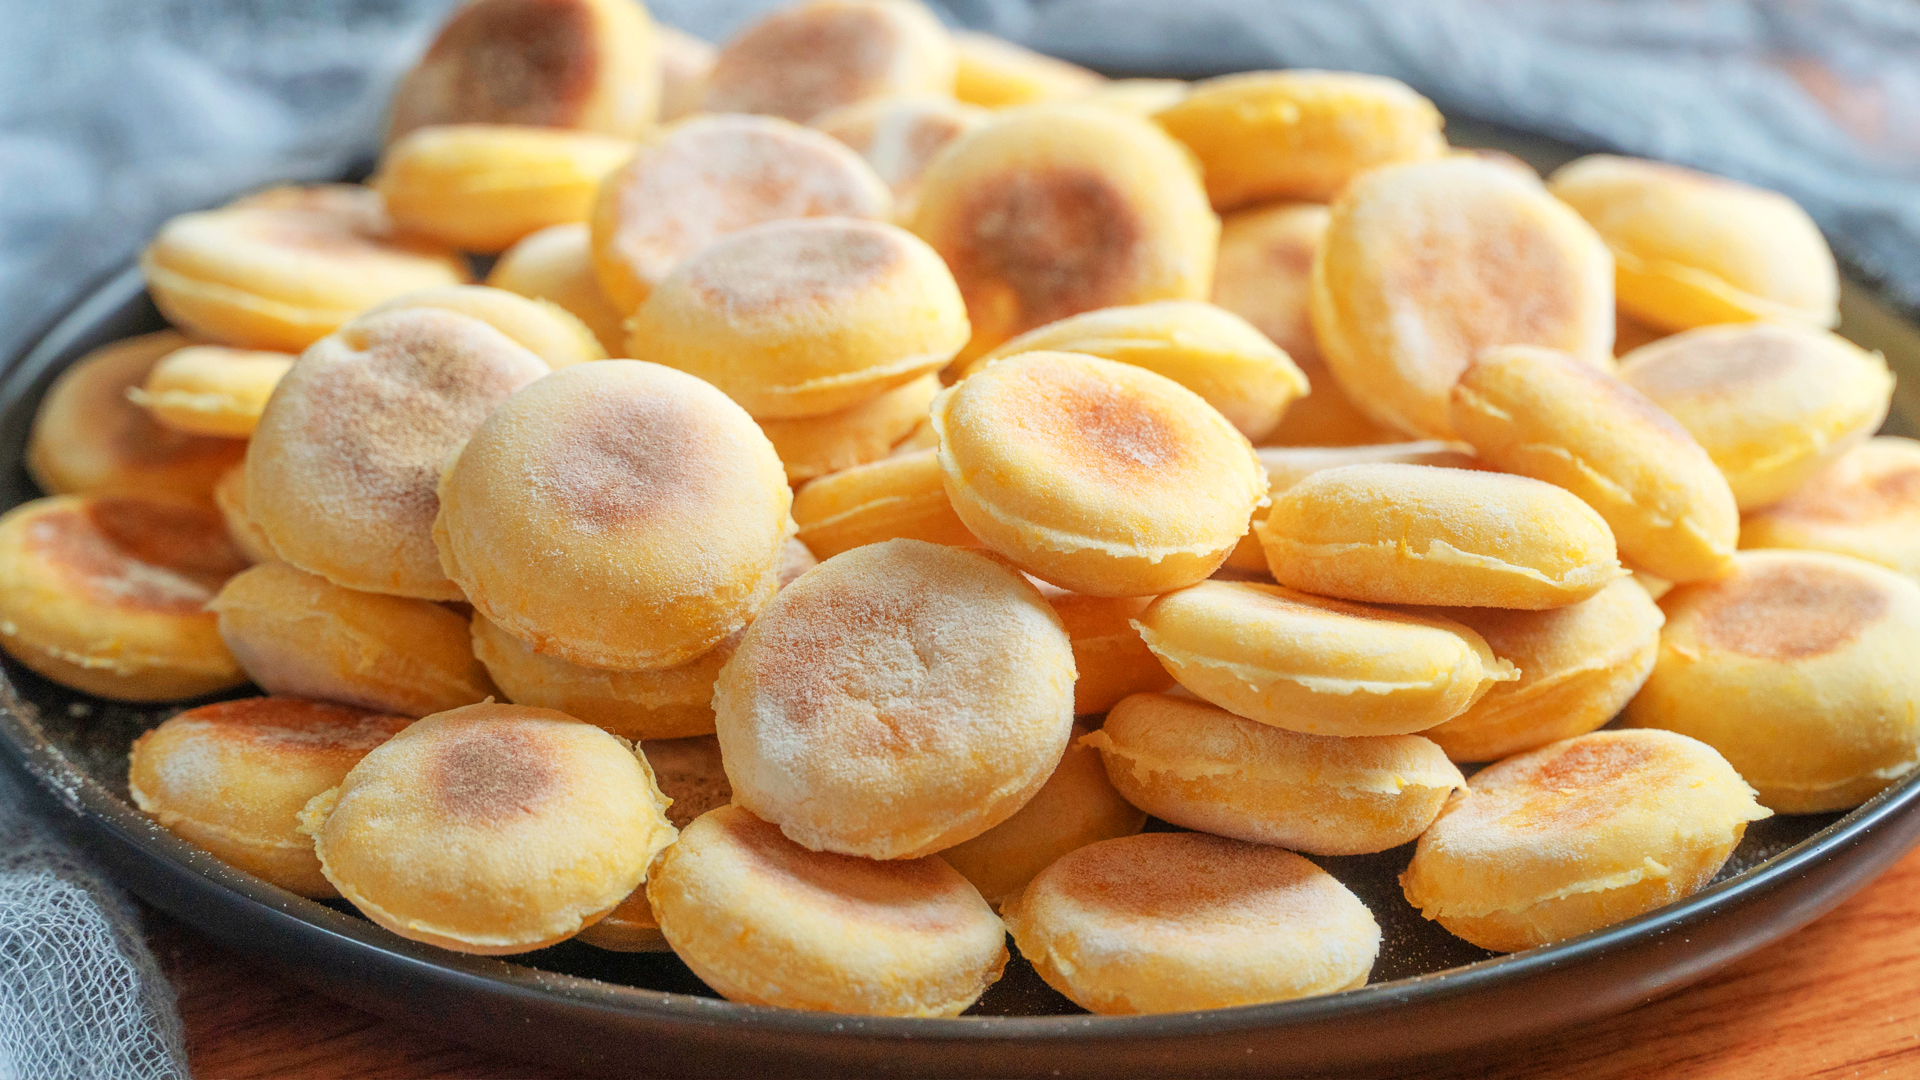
(1590, 764)
(798, 64)
(812, 661)
(1291, 256)
(1709, 364)
(805, 264)
(1572, 787)
(689, 772)
(297, 724)
(312, 231)
(131, 431)
(1883, 495)
(909, 894)
(719, 174)
(132, 553)
(1116, 434)
(1190, 880)
(1056, 242)
(1497, 280)
(188, 540)
(629, 457)
(485, 775)
(504, 62)
(384, 406)
(1790, 611)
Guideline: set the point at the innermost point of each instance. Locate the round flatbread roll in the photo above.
(1866, 504)
(230, 498)
(1207, 349)
(490, 829)
(590, 65)
(1052, 210)
(88, 438)
(685, 63)
(662, 703)
(762, 920)
(211, 389)
(1690, 249)
(1262, 136)
(342, 468)
(1579, 665)
(691, 777)
(1174, 922)
(812, 446)
(1108, 653)
(1197, 765)
(673, 703)
(299, 635)
(900, 136)
(484, 187)
(807, 317)
(707, 176)
(1288, 465)
(899, 498)
(108, 595)
(1544, 414)
(1315, 665)
(1772, 404)
(1425, 264)
(995, 73)
(804, 59)
(1578, 835)
(231, 778)
(1099, 477)
(282, 269)
(556, 265)
(1077, 806)
(1263, 274)
(618, 515)
(545, 329)
(1420, 534)
(859, 713)
(1798, 666)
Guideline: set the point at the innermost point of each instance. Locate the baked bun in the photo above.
(764, 921)
(859, 715)
(107, 595)
(342, 467)
(299, 635)
(1315, 665)
(89, 439)
(1578, 835)
(619, 515)
(1099, 477)
(490, 829)
(1174, 922)
(232, 777)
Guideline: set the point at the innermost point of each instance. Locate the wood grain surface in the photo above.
(1839, 999)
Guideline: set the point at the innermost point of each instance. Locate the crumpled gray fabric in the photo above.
(81, 997)
(117, 113)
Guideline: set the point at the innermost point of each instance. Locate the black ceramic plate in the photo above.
(612, 1013)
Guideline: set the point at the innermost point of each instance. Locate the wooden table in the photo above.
(1839, 999)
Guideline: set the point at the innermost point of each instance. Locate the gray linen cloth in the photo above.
(117, 113)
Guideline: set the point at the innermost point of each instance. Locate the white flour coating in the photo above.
(343, 466)
(899, 698)
(717, 174)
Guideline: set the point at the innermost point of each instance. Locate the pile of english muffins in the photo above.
(884, 466)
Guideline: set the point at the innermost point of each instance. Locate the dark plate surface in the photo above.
(614, 1013)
